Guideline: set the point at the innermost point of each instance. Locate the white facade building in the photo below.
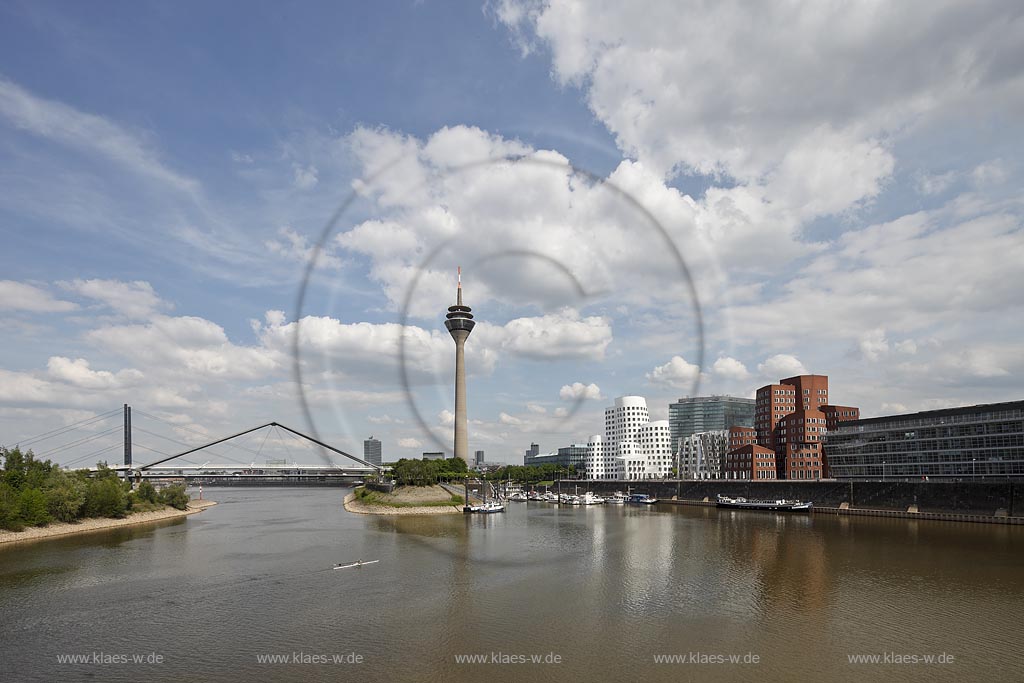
(632, 447)
(701, 454)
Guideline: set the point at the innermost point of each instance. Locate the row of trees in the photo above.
(36, 492)
(531, 473)
(426, 472)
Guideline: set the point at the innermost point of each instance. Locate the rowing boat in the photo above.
(354, 564)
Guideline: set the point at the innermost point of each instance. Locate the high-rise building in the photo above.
(371, 451)
(532, 452)
(632, 446)
(479, 459)
(697, 414)
(459, 322)
(974, 442)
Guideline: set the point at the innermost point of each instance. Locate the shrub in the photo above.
(147, 492)
(175, 496)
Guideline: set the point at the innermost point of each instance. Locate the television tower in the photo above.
(460, 323)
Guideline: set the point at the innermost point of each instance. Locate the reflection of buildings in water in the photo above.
(786, 556)
(648, 555)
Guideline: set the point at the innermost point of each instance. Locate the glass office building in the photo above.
(689, 416)
(973, 443)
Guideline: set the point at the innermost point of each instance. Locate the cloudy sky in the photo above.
(654, 198)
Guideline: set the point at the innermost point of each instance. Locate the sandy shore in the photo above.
(100, 523)
(357, 506)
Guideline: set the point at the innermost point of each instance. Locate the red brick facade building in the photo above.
(750, 462)
(790, 420)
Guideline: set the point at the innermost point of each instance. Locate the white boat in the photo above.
(360, 563)
(533, 495)
(518, 496)
(550, 497)
(617, 498)
(589, 498)
(487, 508)
(572, 500)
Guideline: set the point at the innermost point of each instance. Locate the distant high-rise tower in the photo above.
(460, 323)
(371, 451)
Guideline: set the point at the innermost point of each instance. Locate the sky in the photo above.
(218, 213)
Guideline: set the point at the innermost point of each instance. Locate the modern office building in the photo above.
(479, 459)
(573, 455)
(700, 455)
(975, 442)
(531, 452)
(708, 414)
(371, 451)
(632, 447)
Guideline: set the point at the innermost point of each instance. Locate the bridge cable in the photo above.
(69, 463)
(67, 428)
(182, 443)
(194, 431)
(72, 444)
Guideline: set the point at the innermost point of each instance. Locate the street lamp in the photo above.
(883, 470)
(974, 469)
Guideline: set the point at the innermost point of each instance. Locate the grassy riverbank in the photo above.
(404, 500)
(92, 524)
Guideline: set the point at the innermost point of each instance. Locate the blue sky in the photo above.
(841, 181)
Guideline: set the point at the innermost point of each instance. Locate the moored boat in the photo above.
(589, 498)
(641, 499)
(778, 505)
(487, 508)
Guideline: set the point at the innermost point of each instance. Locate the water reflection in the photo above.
(605, 587)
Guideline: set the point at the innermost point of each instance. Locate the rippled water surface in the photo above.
(605, 589)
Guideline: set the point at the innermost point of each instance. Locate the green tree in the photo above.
(147, 492)
(32, 507)
(10, 508)
(105, 497)
(175, 496)
(65, 496)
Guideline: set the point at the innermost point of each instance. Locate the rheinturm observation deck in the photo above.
(460, 323)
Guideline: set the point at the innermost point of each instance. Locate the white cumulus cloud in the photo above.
(578, 391)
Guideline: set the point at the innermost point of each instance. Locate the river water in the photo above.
(596, 594)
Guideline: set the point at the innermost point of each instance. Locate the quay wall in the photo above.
(1003, 498)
